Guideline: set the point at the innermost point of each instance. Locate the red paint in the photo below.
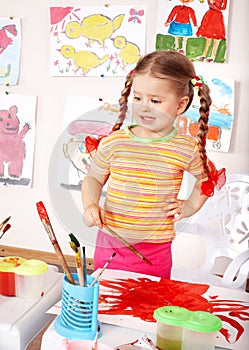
(7, 284)
(42, 212)
(7, 279)
(140, 297)
(57, 14)
(15, 261)
(235, 324)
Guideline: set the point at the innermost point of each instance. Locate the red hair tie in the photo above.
(197, 81)
(92, 144)
(217, 178)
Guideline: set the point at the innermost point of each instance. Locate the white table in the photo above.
(21, 320)
(112, 336)
(115, 331)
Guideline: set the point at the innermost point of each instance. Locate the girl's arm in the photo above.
(91, 191)
(186, 208)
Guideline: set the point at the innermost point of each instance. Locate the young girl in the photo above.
(144, 165)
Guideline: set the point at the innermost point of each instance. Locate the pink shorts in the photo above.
(159, 254)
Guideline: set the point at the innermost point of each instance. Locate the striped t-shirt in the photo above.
(142, 174)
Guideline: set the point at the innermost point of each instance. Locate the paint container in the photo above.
(7, 275)
(200, 331)
(170, 320)
(30, 279)
(79, 310)
(181, 329)
(82, 345)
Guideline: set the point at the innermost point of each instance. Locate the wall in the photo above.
(27, 230)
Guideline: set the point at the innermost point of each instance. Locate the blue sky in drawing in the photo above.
(10, 44)
(221, 111)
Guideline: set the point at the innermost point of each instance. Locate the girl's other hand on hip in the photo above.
(173, 207)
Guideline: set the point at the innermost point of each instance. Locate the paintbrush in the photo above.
(48, 227)
(94, 344)
(103, 269)
(4, 222)
(74, 244)
(5, 229)
(84, 266)
(127, 244)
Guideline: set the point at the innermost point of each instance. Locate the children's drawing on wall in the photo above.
(86, 121)
(220, 118)
(96, 40)
(17, 135)
(196, 28)
(10, 47)
(180, 21)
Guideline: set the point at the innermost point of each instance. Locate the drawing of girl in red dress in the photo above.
(179, 22)
(212, 27)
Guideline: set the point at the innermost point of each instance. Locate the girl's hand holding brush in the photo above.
(94, 216)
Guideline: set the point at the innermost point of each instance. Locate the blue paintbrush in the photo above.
(84, 266)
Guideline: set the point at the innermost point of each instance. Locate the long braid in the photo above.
(123, 102)
(205, 103)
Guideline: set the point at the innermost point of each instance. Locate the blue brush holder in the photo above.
(79, 310)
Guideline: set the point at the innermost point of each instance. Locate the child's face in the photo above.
(155, 104)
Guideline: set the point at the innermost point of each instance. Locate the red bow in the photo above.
(92, 144)
(217, 178)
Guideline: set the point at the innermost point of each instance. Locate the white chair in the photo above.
(237, 272)
(223, 225)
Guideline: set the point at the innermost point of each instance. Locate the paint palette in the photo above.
(141, 343)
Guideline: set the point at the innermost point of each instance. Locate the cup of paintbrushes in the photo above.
(79, 310)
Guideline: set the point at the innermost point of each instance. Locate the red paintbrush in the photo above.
(48, 227)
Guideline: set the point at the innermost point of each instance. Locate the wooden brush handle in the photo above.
(127, 244)
(63, 262)
(80, 275)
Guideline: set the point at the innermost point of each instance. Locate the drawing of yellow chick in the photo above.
(96, 28)
(73, 30)
(85, 60)
(129, 53)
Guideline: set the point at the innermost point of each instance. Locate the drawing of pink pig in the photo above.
(12, 146)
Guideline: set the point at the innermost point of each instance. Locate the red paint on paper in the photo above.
(140, 297)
